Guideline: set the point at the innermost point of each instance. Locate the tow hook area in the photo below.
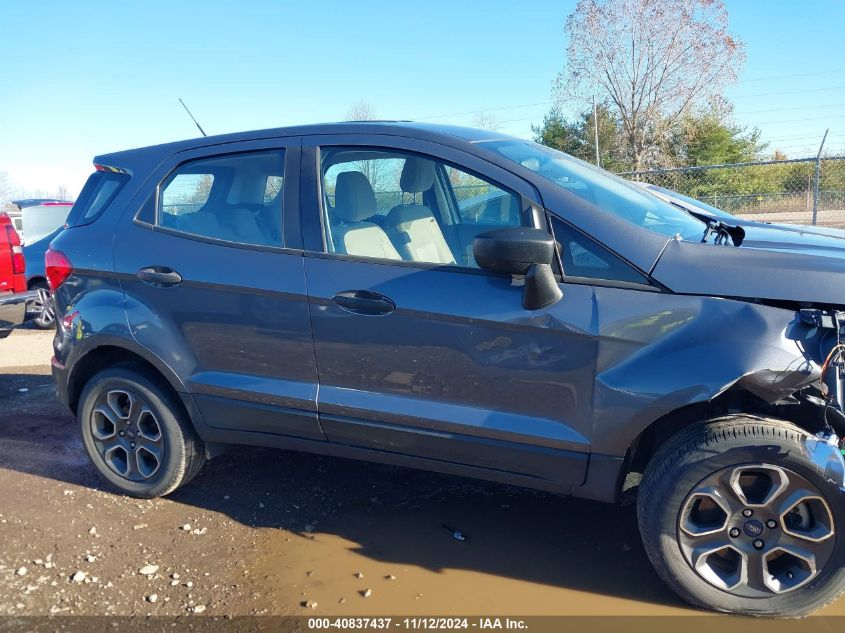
(825, 450)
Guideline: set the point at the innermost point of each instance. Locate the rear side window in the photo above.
(235, 197)
(97, 194)
(186, 194)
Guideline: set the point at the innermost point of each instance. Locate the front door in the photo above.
(419, 352)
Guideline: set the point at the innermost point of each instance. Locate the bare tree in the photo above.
(361, 110)
(651, 60)
(486, 121)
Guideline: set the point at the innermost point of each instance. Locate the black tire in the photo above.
(735, 444)
(45, 310)
(180, 453)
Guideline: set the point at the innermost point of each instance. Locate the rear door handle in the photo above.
(159, 276)
(364, 302)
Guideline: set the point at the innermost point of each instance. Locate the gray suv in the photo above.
(466, 302)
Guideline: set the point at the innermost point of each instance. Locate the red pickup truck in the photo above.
(13, 298)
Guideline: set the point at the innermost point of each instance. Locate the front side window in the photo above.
(479, 202)
(236, 198)
(604, 190)
(399, 206)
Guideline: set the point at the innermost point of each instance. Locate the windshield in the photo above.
(600, 188)
(724, 215)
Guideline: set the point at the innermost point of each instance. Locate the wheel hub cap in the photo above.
(127, 435)
(752, 528)
(756, 530)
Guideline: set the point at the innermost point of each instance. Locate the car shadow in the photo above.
(389, 514)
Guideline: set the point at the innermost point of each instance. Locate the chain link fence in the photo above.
(797, 191)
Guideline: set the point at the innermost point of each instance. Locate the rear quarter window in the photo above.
(102, 187)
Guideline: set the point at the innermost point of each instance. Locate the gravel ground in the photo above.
(273, 532)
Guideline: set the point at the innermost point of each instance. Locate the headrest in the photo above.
(354, 199)
(417, 175)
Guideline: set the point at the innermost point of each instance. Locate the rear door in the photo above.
(214, 288)
(423, 354)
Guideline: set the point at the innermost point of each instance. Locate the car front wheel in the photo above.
(744, 515)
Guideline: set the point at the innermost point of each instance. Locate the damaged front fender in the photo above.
(694, 349)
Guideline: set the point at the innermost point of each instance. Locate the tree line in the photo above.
(704, 136)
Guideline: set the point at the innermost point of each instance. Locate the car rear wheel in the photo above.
(740, 515)
(43, 307)
(136, 433)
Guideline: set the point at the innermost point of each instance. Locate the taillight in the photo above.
(18, 262)
(14, 241)
(58, 268)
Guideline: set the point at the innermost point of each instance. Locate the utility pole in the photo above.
(818, 178)
(596, 131)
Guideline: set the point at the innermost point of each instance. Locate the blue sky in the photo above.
(82, 78)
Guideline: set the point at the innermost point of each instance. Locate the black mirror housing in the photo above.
(521, 251)
(513, 250)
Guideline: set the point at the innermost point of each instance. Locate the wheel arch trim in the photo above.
(102, 343)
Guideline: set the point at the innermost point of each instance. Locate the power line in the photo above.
(820, 72)
(800, 136)
(512, 107)
(832, 71)
(790, 92)
(543, 103)
(818, 107)
(823, 118)
(816, 118)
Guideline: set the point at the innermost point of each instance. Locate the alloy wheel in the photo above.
(127, 435)
(44, 308)
(756, 530)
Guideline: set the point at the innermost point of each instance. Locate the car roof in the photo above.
(453, 135)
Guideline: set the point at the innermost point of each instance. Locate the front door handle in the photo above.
(160, 276)
(364, 302)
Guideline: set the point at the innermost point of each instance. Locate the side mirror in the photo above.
(521, 251)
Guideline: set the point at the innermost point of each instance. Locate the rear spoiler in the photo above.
(35, 202)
